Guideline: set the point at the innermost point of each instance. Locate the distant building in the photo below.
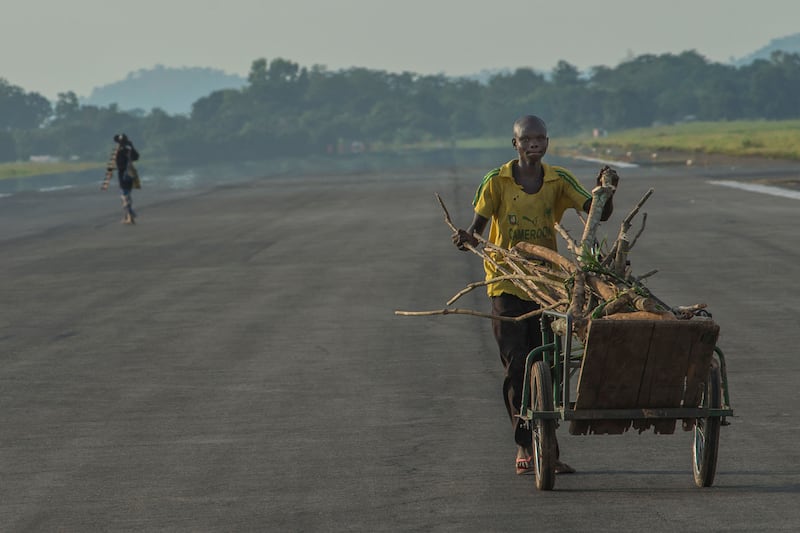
(44, 159)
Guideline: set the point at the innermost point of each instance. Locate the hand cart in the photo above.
(632, 373)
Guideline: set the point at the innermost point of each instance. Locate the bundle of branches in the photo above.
(592, 283)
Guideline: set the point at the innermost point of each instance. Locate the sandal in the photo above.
(525, 465)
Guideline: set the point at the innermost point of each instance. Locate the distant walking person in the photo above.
(122, 159)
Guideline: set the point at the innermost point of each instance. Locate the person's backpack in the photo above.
(133, 175)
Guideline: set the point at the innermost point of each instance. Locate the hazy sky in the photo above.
(52, 46)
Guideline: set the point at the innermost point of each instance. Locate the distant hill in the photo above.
(175, 89)
(172, 89)
(789, 44)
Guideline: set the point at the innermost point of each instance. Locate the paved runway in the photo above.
(233, 363)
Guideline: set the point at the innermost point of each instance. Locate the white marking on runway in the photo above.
(620, 164)
(56, 188)
(754, 187)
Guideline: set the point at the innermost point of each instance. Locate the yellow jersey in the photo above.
(517, 216)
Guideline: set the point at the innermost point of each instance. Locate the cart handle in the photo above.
(554, 346)
(526, 387)
(723, 369)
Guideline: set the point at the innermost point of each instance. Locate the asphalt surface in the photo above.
(233, 362)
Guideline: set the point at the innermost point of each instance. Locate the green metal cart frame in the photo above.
(638, 373)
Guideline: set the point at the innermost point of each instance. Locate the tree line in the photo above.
(289, 110)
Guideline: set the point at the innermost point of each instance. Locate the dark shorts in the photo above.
(515, 341)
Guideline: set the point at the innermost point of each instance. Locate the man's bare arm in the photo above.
(466, 236)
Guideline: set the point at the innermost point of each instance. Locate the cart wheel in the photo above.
(544, 431)
(706, 432)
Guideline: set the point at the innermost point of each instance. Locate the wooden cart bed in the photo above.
(631, 364)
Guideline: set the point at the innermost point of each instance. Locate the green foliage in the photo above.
(764, 138)
(22, 170)
(289, 110)
(21, 110)
(8, 147)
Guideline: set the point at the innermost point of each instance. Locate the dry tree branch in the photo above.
(498, 268)
(578, 296)
(618, 304)
(449, 222)
(601, 287)
(457, 311)
(600, 195)
(510, 259)
(621, 255)
(687, 311)
(546, 254)
(447, 219)
(572, 244)
(452, 312)
(540, 270)
(616, 249)
(624, 245)
(474, 285)
(646, 303)
(574, 285)
(626, 223)
(525, 272)
(641, 230)
(533, 291)
(612, 254)
(646, 275)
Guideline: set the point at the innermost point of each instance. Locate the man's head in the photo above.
(530, 138)
(121, 138)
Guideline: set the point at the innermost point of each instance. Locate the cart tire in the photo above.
(543, 431)
(706, 432)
